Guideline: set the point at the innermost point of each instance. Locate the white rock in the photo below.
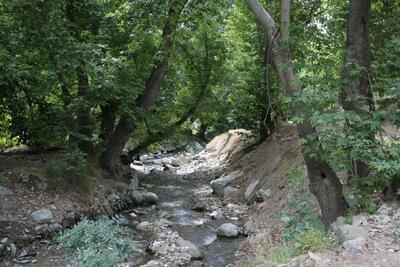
(314, 256)
(219, 184)
(149, 198)
(192, 249)
(143, 226)
(228, 230)
(5, 192)
(349, 232)
(152, 263)
(250, 189)
(42, 215)
(356, 242)
(263, 195)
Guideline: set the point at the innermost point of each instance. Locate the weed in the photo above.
(348, 220)
(99, 243)
(295, 173)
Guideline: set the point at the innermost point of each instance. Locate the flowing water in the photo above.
(176, 195)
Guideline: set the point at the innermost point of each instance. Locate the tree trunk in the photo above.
(108, 118)
(324, 182)
(126, 126)
(83, 113)
(356, 96)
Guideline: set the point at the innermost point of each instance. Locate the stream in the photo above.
(178, 193)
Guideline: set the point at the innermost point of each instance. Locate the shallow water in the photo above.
(176, 196)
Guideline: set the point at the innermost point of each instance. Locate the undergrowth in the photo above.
(100, 243)
(304, 232)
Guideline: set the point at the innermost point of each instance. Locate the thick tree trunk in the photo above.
(126, 126)
(108, 119)
(324, 182)
(356, 96)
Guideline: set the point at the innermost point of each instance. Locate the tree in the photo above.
(324, 183)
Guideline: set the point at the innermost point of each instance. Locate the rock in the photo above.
(385, 209)
(249, 228)
(314, 256)
(230, 191)
(360, 220)
(199, 206)
(249, 190)
(263, 195)
(43, 215)
(143, 226)
(381, 219)
(196, 264)
(13, 249)
(178, 162)
(134, 184)
(132, 215)
(138, 163)
(5, 192)
(56, 227)
(169, 168)
(192, 249)
(228, 230)
(137, 197)
(356, 242)
(4, 240)
(152, 263)
(149, 198)
(219, 184)
(349, 232)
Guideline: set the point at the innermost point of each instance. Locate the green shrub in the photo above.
(100, 243)
(70, 170)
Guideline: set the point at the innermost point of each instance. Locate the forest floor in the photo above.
(252, 189)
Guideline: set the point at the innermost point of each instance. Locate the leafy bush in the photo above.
(99, 243)
(68, 171)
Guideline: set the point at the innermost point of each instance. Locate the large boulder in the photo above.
(349, 232)
(221, 183)
(230, 191)
(149, 198)
(228, 230)
(137, 197)
(191, 248)
(42, 216)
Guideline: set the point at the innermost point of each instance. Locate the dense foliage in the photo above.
(91, 74)
(103, 242)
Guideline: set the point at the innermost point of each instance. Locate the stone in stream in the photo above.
(199, 206)
(149, 198)
(228, 230)
(152, 263)
(5, 192)
(143, 226)
(136, 197)
(191, 248)
(218, 185)
(134, 184)
(43, 215)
